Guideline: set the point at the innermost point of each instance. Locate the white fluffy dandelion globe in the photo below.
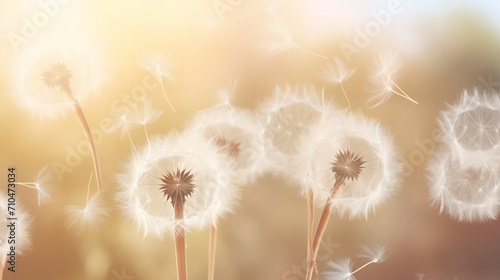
(178, 168)
(289, 116)
(50, 73)
(236, 132)
(471, 128)
(361, 155)
(466, 192)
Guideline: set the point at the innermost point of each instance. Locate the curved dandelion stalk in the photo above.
(58, 75)
(174, 184)
(351, 168)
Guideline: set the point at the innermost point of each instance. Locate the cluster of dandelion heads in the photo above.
(179, 168)
(358, 156)
(22, 228)
(465, 174)
(236, 133)
(48, 76)
(288, 119)
(343, 269)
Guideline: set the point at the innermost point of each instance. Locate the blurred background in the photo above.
(445, 47)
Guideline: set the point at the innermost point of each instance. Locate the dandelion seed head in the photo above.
(471, 128)
(290, 114)
(237, 134)
(49, 74)
(467, 192)
(178, 168)
(357, 152)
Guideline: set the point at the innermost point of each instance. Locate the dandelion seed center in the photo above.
(232, 148)
(347, 166)
(58, 75)
(477, 129)
(177, 186)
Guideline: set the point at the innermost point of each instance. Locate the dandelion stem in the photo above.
(180, 242)
(310, 221)
(212, 245)
(88, 134)
(88, 189)
(128, 135)
(201, 41)
(2, 267)
(146, 132)
(363, 266)
(309, 51)
(320, 230)
(404, 95)
(345, 94)
(160, 79)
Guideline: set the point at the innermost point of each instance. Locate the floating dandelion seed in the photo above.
(281, 39)
(91, 217)
(343, 269)
(161, 66)
(42, 184)
(136, 116)
(471, 128)
(337, 74)
(384, 76)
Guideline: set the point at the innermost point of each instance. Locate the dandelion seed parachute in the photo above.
(42, 63)
(91, 217)
(341, 270)
(384, 80)
(358, 151)
(141, 199)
